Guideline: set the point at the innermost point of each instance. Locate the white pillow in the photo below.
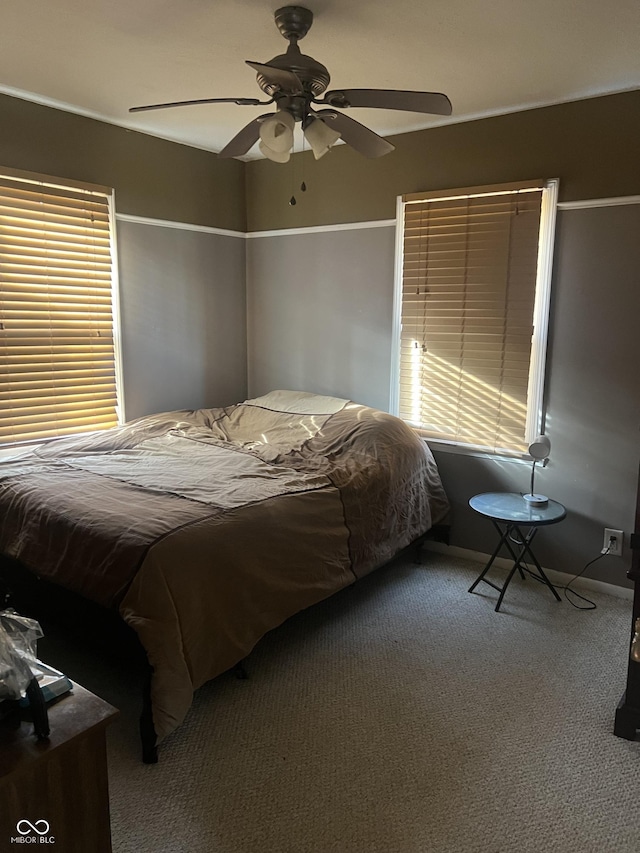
(298, 402)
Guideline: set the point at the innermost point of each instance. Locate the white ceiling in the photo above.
(100, 57)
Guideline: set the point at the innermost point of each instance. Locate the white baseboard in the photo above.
(560, 578)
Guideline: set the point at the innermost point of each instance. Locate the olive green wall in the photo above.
(151, 177)
(591, 145)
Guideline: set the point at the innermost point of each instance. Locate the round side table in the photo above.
(510, 513)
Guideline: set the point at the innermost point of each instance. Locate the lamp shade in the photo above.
(276, 136)
(320, 137)
(540, 448)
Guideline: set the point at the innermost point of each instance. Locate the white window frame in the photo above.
(537, 363)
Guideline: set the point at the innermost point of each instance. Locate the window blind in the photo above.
(469, 274)
(57, 359)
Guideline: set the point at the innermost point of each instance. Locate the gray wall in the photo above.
(318, 313)
(183, 311)
(593, 400)
(325, 325)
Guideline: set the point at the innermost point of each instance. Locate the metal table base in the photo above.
(524, 543)
(511, 516)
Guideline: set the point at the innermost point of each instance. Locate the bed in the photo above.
(203, 530)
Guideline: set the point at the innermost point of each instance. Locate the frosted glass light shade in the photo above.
(320, 137)
(276, 156)
(276, 136)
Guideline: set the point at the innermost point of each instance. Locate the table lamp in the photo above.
(539, 450)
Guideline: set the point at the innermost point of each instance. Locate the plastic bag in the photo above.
(18, 640)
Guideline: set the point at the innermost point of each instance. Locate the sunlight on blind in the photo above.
(57, 359)
(469, 274)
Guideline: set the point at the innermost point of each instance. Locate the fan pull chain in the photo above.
(292, 200)
(303, 186)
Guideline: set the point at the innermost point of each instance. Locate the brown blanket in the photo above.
(208, 528)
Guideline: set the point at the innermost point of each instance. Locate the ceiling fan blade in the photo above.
(243, 102)
(356, 135)
(243, 141)
(286, 80)
(390, 99)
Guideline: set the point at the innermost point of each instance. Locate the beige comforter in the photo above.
(208, 528)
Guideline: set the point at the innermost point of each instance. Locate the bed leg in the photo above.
(440, 533)
(147, 731)
(417, 546)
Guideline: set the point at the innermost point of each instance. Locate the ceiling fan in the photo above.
(295, 82)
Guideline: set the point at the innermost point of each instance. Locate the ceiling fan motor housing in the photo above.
(294, 22)
(312, 74)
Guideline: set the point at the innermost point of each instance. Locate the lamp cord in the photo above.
(591, 605)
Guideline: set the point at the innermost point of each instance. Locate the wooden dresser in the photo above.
(57, 788)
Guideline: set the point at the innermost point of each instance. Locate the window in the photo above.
(472, 304)
(57, 352)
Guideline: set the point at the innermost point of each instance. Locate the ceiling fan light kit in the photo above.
(295, 82)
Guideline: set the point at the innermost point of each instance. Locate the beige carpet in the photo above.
(402, 716)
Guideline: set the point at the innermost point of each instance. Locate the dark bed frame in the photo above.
(66, 612)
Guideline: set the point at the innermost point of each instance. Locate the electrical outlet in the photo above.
(613, 540)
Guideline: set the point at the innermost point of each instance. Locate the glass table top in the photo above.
(512, 507)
